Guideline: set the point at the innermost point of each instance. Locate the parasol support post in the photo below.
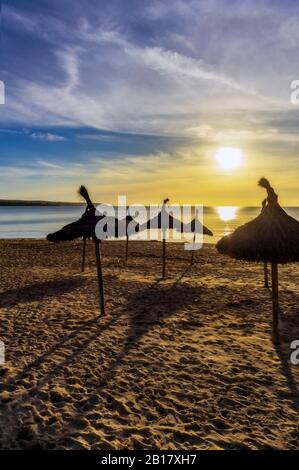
(83, 255)
(164, 258)
(192, 253)
(127, 249)
(266, 278)
(100, 275)
(275, 303)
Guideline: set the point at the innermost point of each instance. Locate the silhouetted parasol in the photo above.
(273, 237)
(196, 227)
(163, 221)
(83, 255)
(84, 228)
(129, 222)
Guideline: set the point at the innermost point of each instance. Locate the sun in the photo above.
(229, 158)
(227, 213)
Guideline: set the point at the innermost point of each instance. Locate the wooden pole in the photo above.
(266, 275)
(83, 255)
(100, 275)
(164, 258)
(127, 248)
(275, 303)
(192, 254)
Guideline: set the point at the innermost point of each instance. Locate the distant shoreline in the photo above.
(12, 203)
(15, 203)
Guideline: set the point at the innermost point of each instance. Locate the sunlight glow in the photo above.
(227, 213)
(229, 158)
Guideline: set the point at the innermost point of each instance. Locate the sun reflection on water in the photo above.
(227, 213)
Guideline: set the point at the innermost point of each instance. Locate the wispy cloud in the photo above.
(205, 73)
(108, 80)
(47, 137)
(48, 164)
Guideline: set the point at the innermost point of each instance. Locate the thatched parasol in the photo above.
(83, 255)
(195, 226)
(162, 221)
(266, 278)
(128, 221)
(84, 228)
(273, 237)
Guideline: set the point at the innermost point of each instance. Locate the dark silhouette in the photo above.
(195, 227)
(39, 291)
(273, 237)
(85, 227)
(164, 221)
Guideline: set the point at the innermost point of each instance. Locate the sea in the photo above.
(21, 222)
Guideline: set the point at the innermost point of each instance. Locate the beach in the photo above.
(182, 363)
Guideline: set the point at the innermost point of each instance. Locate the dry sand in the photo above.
(185, 363)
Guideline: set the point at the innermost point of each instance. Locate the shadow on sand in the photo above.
(146, 309)
(40, 291)
(285, 367)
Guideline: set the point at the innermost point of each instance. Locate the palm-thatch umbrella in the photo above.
(84, 228)
(163, 221)
(195, 226)
(128, 221)
(266, 278)
(272, 237)
(83, 255)
(84, 239)
(128, 229)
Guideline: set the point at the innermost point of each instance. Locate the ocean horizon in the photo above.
(35, 222)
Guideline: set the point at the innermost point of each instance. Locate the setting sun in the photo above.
(229, 158)
(227, 213)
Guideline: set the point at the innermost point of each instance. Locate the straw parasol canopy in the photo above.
(164, 221)
(195, 226)
(272, 237)
(85, 227)
(129, 222)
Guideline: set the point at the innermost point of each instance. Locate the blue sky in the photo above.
(135, 97)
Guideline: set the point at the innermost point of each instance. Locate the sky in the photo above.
(137, 97)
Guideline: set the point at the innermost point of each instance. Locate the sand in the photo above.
(184, 363)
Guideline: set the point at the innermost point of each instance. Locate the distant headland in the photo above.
(12, 202)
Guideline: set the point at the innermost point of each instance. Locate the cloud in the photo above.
(101, 137)
(203, 130)
(48, 164)
(20, 19)
(47, 137)
(162, 99)
(108, 76)
(208, 73)
(44, 26)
